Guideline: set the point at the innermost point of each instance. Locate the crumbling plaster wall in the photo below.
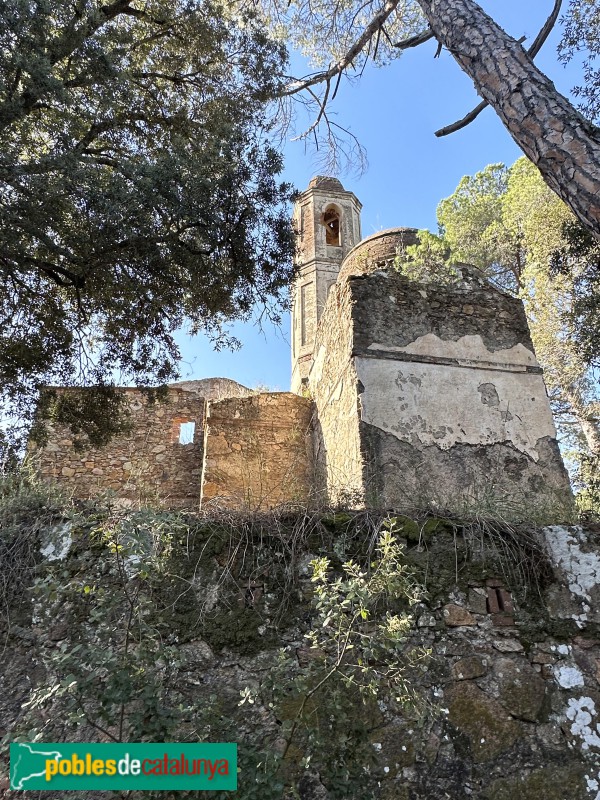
(431, 394)
(258, 452)
(453, 404)
(145, 464)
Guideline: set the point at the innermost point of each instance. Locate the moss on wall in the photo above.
(226, 604)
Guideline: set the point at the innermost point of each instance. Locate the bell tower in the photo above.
(327, 223)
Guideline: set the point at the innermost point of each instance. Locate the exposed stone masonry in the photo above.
(421, 395)
(146, 464)
(258, 452)
(510, 694)
(250, 451)
(470, 308)
(333, 384)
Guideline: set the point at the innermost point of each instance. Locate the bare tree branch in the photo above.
(414, 41)
(545, 31)
(337, 86)
(466, 120)
(532, 52)
(374, 30)
(321, 103)
(371, 30)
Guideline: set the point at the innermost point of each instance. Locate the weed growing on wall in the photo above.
(120, 665)
(356, 658)
(291, 634)
(30, 511)
(109, 669)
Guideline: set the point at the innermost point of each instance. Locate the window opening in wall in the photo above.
(331, 221)
(186, 432)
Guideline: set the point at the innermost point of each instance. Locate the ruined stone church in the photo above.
(403, 395)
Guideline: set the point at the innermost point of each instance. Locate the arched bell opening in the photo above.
(331, 219)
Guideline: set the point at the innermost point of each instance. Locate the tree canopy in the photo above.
(342, 35)
(138, 188)
(582, 36)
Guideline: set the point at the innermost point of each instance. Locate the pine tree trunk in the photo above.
(589, 426)
(550, 131)
(586, 418)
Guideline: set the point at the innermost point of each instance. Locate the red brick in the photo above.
(492, 602)
(506, 603)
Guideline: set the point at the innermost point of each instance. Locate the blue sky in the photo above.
(394, 112)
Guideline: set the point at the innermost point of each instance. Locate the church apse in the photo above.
(440, 386)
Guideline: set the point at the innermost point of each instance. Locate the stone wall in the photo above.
(509, 697)
(452, 404)
(394, 312)
(258, 452)
(214, 388)
(146, 464)
(516, 680)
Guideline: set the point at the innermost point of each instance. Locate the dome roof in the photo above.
(326, 183)
(377, 251)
